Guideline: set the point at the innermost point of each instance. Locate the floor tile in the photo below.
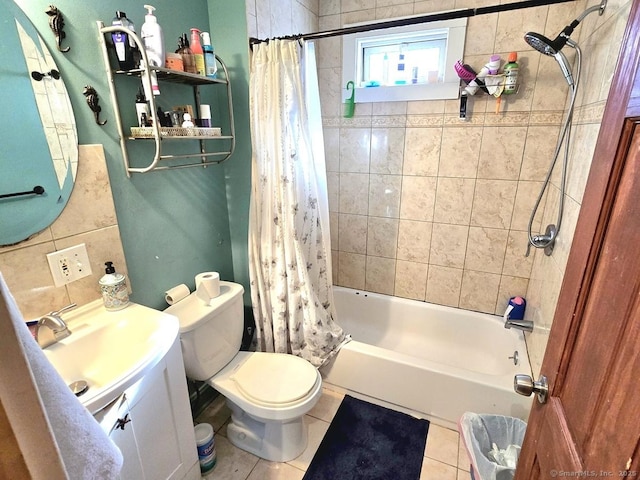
(327, 406)
(215, 414)
(463, 458)
(464, 474)
(317, 429)
(435, 470)
(442, 445)
(265, 470)
(232, 463)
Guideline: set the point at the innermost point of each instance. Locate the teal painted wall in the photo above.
(229, 35)
(173, 224)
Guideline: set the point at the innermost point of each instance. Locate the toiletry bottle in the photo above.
(142, 108)
(152, 38)
(196, 48)
(114, 289)
(125, 45)
(210, 67)
(187, 55)
(511, 74)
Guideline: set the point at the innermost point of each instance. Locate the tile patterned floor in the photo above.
(444, 456)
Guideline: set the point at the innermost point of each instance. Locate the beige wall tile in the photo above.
(411, 280)
(380, 275)
(355, 148)
(382, 237)
(486, 249)
(332, 149)
(479, 291)
(387, 150)
(414, 241)
(422, 151)
(384, 195)
(418, 198)
(515, 263)
(448, 245)
(443, 285)
(352, 236)
(524, 204)
(493, 203)
(460, 152)
(454, 200)
(501, 152)
(354, 193)
(351, 268)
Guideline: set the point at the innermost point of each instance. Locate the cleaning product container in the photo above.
(206, 447)
(493, 444)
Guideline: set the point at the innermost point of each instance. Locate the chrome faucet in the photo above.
(520, 324)
(56, 327)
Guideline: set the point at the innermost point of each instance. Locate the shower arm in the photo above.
(547, 240)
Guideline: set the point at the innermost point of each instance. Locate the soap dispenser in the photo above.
(114, 289)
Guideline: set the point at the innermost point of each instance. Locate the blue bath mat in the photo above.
(369, 442)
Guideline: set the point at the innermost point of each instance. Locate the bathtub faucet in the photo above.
(520, 324)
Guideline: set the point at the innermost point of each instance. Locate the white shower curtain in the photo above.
(289, 246)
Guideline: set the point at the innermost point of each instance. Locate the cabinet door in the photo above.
(126, 442)
(162, 421)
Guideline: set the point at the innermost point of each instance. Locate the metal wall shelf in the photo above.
(172, 76)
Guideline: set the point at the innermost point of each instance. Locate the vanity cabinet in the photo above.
(214, 147)
(152, 425)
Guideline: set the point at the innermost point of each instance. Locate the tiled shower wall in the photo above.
(429, 207)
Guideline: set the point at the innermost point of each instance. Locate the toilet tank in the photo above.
(210, 335)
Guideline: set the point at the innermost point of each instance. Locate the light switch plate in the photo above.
(69, 265)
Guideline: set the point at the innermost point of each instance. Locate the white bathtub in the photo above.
(436, 361)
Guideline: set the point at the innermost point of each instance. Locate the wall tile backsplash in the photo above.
(88, 218)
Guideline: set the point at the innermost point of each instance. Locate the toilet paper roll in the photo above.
(177, 293)
(207, 286)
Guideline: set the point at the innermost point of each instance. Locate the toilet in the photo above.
(268, 393)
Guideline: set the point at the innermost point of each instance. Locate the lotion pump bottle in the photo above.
(152, 38)
(114, 289)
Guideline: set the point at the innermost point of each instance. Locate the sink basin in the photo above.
(111, 351)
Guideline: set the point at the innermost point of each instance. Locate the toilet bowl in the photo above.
(268, 393)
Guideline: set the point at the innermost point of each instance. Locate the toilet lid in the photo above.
(275, 378)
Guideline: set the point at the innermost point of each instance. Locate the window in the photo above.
(413, 62)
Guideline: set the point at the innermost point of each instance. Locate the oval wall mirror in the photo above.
(38, 136)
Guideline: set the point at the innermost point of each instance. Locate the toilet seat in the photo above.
(254, 397)
(275, 380)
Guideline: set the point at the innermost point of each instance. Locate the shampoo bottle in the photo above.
(196, 48)
(124, 44)
(114, 289)
(511, 74)
(210, 67)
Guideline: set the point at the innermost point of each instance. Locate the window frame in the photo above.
(449, 88)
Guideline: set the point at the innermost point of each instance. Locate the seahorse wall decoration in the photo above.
(92, 101)
(56, 22)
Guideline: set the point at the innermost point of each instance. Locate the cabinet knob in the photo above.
(121, 422)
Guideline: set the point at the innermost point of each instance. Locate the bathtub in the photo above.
(433, 361)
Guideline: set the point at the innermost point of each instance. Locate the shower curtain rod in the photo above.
(433, 17)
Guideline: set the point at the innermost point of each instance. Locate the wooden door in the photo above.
(590, 425)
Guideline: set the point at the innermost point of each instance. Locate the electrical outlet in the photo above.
(69, 265)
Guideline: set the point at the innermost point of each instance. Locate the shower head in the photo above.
(553, 47)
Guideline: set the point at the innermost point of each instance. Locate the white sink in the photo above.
(111, 350)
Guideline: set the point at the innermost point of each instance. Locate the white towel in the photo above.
(86, 451)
